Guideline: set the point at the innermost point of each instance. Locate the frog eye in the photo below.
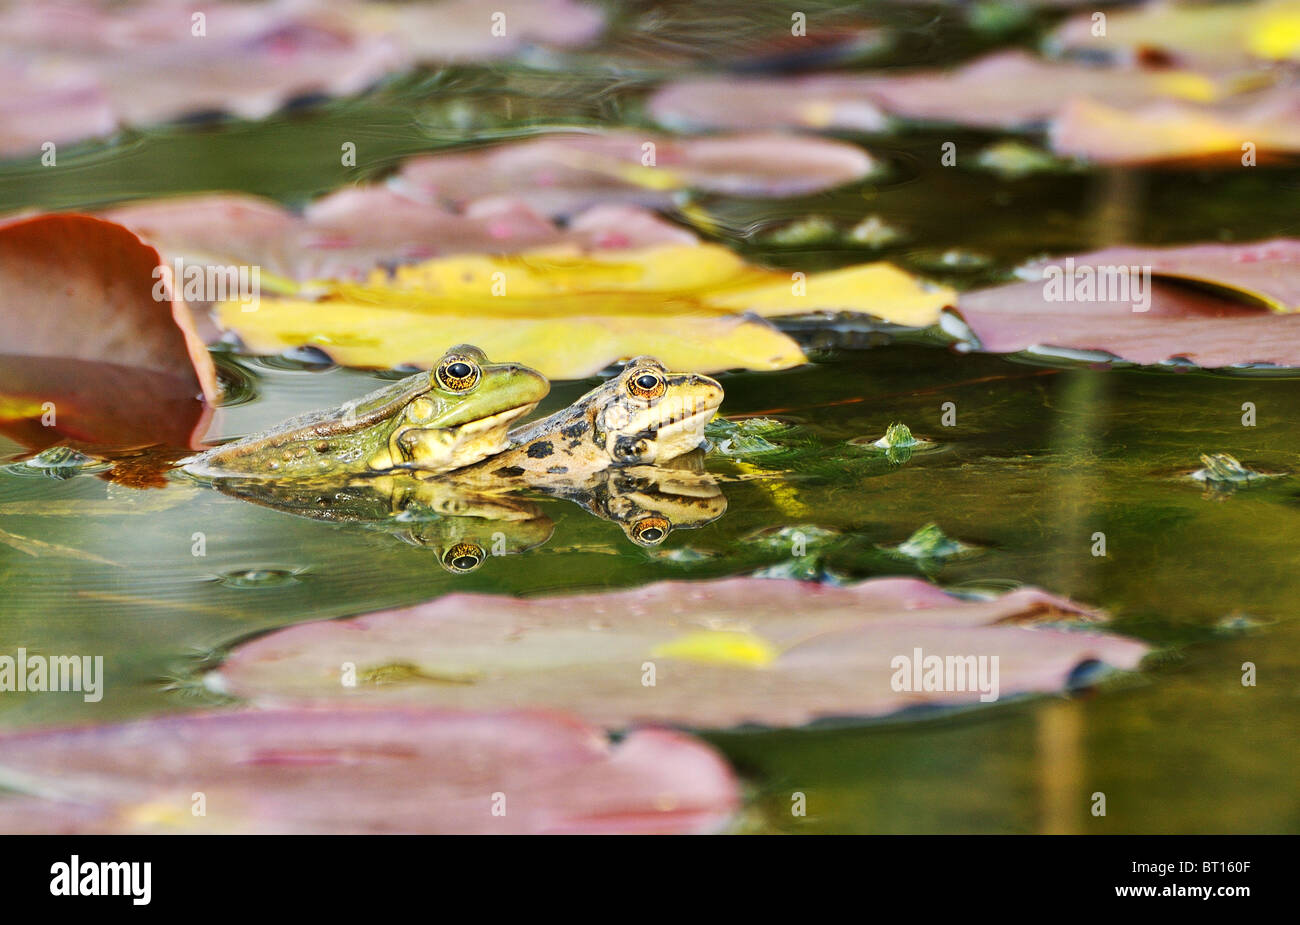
(463, 558)
(458, 373)
(646, 384)
(651, 531)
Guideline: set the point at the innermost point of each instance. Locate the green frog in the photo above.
(644, 416)
(451, 416)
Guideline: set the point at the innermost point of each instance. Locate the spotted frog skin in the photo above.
(452, 416)
(644, 416)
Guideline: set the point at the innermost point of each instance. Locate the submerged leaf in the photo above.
(715, 653)
(361, 771)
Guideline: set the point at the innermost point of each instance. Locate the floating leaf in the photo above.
(562, 173)
(1179, 324)
(88, 66)
(43, 103)
(336, 238)
(1006, 90)
(458, 30)
(735, 651)
(1211, 35)
(361, 771)
(78, 314)
(1264, 272)
(1265, 126)
(569, 314)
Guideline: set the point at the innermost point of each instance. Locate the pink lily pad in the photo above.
(1267, 272)
(361, 771)
(723, 653)
(1007, 90)
(337, 237)
(563, 173)
(1180, 323)
(148, 62)
(1267, 122)
(461, 30)
(50, 103)
(79, 290)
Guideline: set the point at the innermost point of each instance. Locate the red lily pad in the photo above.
(722, 653)
(1005, 90)
(563, 173)
(79, 290)
(337, 237)
(361, 771)
(1180, 323)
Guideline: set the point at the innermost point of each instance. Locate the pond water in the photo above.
(1038, 460)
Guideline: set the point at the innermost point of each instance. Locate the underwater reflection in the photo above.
(467, 520)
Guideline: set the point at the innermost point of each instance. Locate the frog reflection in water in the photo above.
(461, 525)
(454, 415)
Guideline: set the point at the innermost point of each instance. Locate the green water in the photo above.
(1037, 461)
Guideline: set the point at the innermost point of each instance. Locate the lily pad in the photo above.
(1210, 35)
(1005, 90)
(1179, 325)
(570, 314)
(561, 173)
(336, 238)
(700, 654)
(147, 62)
(361, 771)
(43, 103)
(1266, 272)
(1265, 126)
(78, 313)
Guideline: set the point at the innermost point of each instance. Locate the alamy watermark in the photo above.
(203, 282)
(921, 672)
(1100, 283)
(50, 673)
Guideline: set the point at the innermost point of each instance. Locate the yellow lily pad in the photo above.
(1210, 35)
(570, 313)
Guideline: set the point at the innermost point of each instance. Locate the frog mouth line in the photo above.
(692, 421)
(493, 421)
